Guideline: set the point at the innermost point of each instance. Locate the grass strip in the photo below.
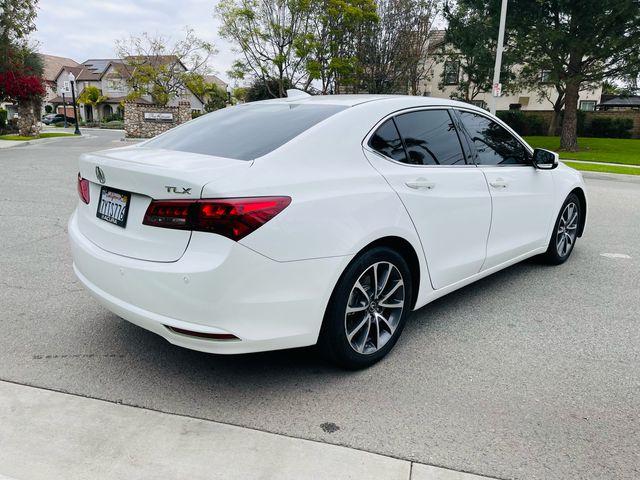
(592, 167)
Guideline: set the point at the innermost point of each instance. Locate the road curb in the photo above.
(616, 177)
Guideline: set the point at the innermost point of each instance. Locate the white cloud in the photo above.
(83, 29)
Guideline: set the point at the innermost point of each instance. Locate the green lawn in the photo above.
(42, 135)
(609, 150)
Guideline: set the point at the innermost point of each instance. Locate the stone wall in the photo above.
(142, 120)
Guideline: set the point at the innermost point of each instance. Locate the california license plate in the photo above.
(113, 206)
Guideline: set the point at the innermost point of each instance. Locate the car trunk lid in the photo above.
(142, 175)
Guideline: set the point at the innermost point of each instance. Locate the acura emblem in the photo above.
(100, 175)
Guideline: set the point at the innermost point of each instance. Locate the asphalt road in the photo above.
(531, 373)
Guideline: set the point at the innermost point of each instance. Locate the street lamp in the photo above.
(64, 106)
(72, 80)
(497, 88)
(229, 94)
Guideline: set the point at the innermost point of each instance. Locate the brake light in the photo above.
(83, 189)
(234, 218)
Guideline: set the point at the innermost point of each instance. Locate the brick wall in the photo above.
(136, 126)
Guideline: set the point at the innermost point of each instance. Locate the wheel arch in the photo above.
(407, 251)
(583, 204)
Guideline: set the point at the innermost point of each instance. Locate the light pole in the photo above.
(497, 88)
(72, 80)
(64, 107)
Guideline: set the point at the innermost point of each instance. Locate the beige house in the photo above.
(110, 77)
(444, 76)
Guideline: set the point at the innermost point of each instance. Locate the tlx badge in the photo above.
(184, 191)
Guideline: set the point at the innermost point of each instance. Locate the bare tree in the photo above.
(394, 53)
(153, 66)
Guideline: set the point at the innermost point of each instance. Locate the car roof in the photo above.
(359, 99)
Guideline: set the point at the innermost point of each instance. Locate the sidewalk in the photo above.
(51, 435)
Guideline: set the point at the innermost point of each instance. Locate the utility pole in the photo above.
(496, 91)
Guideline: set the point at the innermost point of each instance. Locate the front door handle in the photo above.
(499, 183)
(421, 184)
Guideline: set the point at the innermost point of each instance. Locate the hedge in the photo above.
(522, 123)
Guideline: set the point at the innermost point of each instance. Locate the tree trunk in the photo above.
(555, 123)
(569, 135)
(28, 117)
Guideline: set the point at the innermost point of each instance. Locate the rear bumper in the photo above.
(218, 286)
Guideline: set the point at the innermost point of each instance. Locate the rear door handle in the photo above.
(421, 184)
(499, 183)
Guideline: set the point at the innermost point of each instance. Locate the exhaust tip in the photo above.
(211, 336)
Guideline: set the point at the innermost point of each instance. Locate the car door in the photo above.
(522, 195)
(422, 157)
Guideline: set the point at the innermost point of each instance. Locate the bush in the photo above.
(114, 124)
(48, 109)
(3, 118)
(196, 114)
(606, 127)
(523, 123)
(114, 117)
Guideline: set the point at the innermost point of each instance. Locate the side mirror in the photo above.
(545, 159)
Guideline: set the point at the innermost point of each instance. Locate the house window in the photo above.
(545, 76)
(451, 73)
(479, 103)
(66, 87)
(587, 105)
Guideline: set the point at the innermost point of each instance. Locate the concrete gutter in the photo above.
(50, 435)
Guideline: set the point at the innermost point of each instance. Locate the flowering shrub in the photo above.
(20, 86)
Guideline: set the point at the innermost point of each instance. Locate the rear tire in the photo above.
(565, 231)
(367, 310)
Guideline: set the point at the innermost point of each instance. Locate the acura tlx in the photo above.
(315, 220)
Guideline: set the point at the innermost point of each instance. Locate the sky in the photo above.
(84, 29)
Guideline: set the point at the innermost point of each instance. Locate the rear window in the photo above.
(244, 132)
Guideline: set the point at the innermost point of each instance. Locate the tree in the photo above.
(470, 47)
(153, 67)
(21, 68)
(17, 21)
(269, 35)
(214, 96)
(395, 47)
(337, 28)
(92, 95)
(579, 43)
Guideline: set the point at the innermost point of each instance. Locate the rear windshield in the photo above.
(244, 132)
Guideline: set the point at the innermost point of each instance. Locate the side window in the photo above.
(494, 144)
(387, 141)
(430, 138)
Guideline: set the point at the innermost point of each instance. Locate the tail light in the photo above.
(234, 218)
(83, 189)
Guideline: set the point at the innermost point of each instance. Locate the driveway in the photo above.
(531, 373)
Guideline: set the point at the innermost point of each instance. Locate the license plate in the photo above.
(113, 206)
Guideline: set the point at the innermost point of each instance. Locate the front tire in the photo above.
(565, 231)
(368, 309)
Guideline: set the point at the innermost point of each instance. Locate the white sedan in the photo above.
(314, 220)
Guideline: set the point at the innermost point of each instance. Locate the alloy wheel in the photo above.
(374, 308)
(567, 229)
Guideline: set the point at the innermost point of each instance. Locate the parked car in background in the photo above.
(309, 220)
(52, 118)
